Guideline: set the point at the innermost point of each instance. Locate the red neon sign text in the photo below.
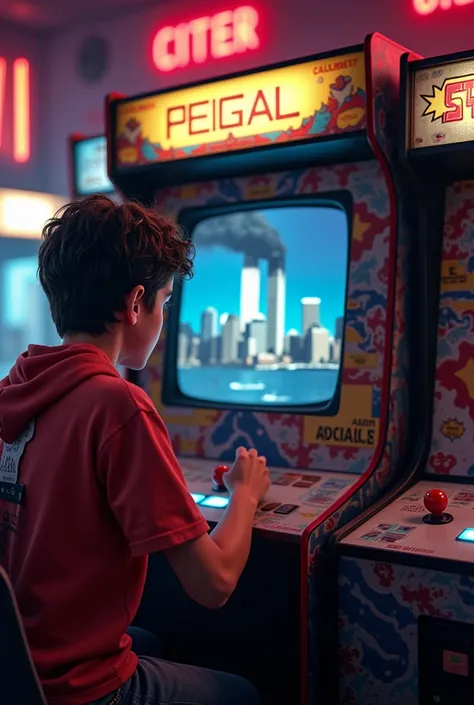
(212, 37)
(21, 107)
(426, 7)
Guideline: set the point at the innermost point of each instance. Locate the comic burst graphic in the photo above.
(452, 98)
(452, 429)
(436, 105)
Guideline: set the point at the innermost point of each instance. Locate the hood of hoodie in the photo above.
(43, 375)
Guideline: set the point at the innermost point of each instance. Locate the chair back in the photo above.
(19, 683)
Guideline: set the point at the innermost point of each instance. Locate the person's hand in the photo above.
(248, 472)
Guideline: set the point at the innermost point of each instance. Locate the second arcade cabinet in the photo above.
(292, 337)
(406, 571)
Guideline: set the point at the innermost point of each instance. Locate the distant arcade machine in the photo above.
(88, 165)
(406, 570)
(88, 176)
(291, 337)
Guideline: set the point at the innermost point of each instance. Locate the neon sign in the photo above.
(426, 7)
(21, 107)
(210, 37)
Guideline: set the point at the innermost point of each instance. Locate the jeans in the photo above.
(158, 682)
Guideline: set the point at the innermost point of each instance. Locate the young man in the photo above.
(102, 486)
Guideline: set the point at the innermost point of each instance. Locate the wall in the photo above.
(292, 28)
(33, 174)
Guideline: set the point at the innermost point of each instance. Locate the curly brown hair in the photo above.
(94, 252)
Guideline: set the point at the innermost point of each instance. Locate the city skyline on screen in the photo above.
(316, 244)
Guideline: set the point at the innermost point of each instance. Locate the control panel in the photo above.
(426, 520)
(296, 497)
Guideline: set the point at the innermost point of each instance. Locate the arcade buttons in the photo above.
(435, 502)
(217, 478)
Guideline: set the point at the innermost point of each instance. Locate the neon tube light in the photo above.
(3, 76)
(21, 110)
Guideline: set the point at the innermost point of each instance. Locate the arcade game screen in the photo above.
(261, 322)
(90, 167)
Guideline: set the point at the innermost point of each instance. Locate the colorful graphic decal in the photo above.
(443, 105)
(388, 533)
(452, 429)
(299, 102)
(327, 494)
(453, 420)
(379, 606)
(462, 499)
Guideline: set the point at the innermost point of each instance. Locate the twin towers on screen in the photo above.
(261, 322)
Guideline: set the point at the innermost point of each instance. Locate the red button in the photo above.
(436, 502)
(218, 473)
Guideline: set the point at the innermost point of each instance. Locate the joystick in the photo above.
(217, 477)
(435, 502)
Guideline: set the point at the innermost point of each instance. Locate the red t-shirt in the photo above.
(103, 489)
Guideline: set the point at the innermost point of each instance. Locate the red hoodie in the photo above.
(103, 489)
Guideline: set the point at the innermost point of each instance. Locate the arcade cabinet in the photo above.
(291, 337)
(406, 575)
(88, 166)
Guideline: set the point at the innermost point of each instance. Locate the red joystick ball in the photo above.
(217, 476)
(436, 502)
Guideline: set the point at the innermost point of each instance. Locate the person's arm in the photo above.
(210, 566)
(147, 493)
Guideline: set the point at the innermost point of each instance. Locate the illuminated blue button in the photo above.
(218, 502)
(197, 497)
(466, 535)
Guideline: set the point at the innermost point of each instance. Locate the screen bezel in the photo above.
(188, 219)
(79, 193)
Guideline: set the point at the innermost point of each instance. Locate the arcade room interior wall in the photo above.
(286, 30)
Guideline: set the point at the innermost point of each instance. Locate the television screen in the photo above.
(90, 167)
(261, 323)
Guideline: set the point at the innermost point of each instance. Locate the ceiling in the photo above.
(47, 15)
